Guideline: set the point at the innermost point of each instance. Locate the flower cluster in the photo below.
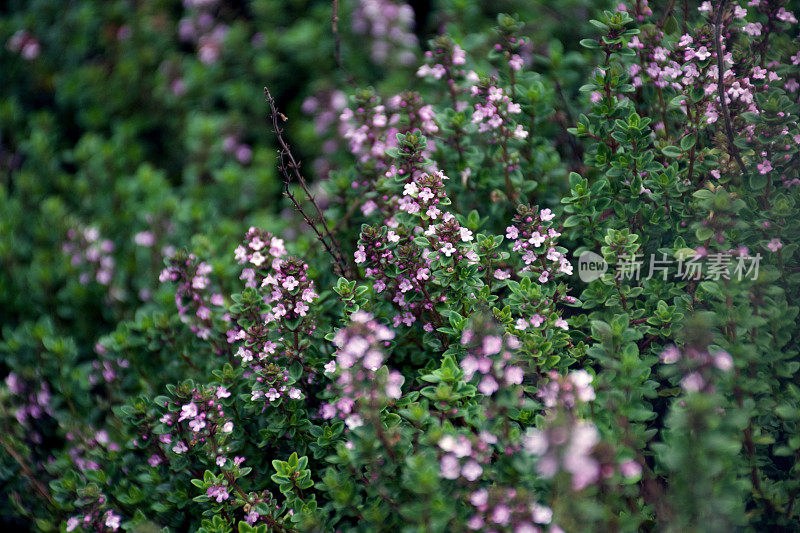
(274, 328)
(359, 383)
(509, 509)
(444, 61)
(372, 126)
(534, 238)
(95, 519)
(289, 289)
(697, 364)
(232, 145)
(493, 111)
(325, 107)
(390, 26)
(83, 446)
(567, 447)
(193, 297)
(567, 391)
(201, 28)
(194, 419)
(566, 442)
(465, 457)
(31, 403)
(90, 252)
(489, 361)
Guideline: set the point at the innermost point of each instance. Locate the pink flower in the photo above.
(188, 411)
(693, 382)
(472, 470)
(501, 274)
(501, 514)
(520, 132)
(630, 469)
(257, 259)
(301, 308)
(488, 385)
(449, 467)
(514, 375)
(492, 344)
(764, 167)
(479, 498)
(670, 355)
(112, 520)
(197, 424)
(218, 492)
(360, 255)
(723, 361)
(541, 514)
(775, 244)
(353, 421)
(180, 447)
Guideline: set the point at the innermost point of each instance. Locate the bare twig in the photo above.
(290, 171)
(721, 88)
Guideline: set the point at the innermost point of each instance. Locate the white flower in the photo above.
(354, 421)
(257, 259)
(447, 249)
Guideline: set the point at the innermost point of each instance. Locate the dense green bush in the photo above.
(536, 274)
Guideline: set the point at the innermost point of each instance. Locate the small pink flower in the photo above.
(450, 467)
(693, 382)
(630, 469)
(775, 245)
(492, 344)
(670, 355)
(723, 361)
(488, 386)
(501, 274)
(472, 470)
